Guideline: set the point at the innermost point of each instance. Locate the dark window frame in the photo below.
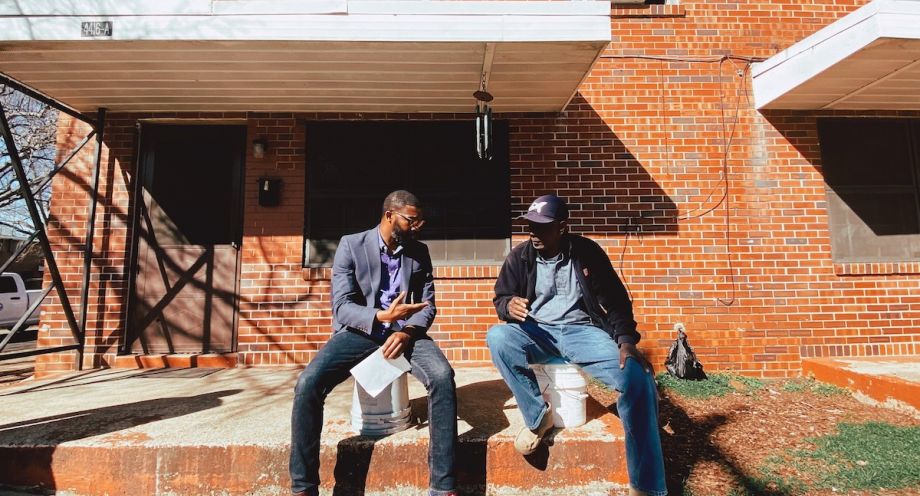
(482, 244)
(849, 214)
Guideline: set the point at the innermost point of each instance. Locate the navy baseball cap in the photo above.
(546, 209)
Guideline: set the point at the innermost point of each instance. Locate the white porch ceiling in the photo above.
(323, 56)
(868, 60)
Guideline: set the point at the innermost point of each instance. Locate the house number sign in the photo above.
(96, 28)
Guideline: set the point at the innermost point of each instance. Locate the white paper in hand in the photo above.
(375, 372)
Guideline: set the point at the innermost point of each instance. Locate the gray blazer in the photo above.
(356, 280)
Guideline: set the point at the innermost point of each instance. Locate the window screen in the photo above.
(870, 168)
(352, 166)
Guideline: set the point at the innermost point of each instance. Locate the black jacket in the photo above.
(604, 296)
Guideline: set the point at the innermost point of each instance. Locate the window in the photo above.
(351, 166)
(871, 169)
(33, 283)
(7, 284)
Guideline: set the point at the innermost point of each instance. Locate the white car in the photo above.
(15, 299)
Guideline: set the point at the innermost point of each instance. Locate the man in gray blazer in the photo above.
(382, 296)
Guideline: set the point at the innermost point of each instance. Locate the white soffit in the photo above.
(867, 60)
(298, 55)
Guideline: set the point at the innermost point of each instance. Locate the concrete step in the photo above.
(165, 361)
(889, 381)
(227, 431)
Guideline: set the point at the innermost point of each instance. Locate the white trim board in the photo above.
(24, 8)
(780, 75)
(316, 28)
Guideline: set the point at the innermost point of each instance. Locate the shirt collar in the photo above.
(383, 245)
(558, 258)
(564, 252)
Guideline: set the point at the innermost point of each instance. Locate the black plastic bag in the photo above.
(681, 361)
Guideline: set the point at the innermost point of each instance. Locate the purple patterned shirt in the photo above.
(390, 285)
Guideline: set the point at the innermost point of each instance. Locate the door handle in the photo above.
(16, 298)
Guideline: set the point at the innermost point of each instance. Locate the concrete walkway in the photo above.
(17, 369)
(227, 431)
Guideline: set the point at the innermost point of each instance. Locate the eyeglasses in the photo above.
(413, 221)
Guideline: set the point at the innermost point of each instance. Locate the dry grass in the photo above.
(779, 438)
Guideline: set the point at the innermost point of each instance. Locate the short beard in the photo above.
(402, 237)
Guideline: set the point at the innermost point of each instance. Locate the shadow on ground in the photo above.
(39, 437)
(690, 443)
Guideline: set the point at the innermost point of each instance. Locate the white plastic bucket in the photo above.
(564, 388)
(386, 414)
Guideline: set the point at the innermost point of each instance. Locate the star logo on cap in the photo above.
(538, 206)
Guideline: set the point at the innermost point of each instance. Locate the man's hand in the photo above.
(399, 310)
(517, 307)
(629, 350)
(395, 344)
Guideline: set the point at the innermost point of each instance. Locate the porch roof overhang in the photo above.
(306, 56)
(867, 60)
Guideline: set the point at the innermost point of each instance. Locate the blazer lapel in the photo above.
(372, 254)
(406, 263)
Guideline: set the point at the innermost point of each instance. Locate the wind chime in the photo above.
(483, 122)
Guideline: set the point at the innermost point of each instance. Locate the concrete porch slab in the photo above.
(891, 381)
(227, 431)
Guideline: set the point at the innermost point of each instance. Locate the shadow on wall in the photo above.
(576, 155)
(581, 159)
(867, 166)
(172, 272)
(799, 129)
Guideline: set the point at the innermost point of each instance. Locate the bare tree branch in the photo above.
(34, 128)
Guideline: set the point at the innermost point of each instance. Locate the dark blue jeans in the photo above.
(331, 367)
(515, 346)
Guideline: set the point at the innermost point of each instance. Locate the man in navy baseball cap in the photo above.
(546, 209)
(560, 298)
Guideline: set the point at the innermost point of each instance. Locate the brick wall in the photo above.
(71, 193)
(713, 213)
(66, 230)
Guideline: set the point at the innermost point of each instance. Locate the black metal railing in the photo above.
(77, 327)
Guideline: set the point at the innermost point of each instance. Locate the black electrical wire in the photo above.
(727, 141)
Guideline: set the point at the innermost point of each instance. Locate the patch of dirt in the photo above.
(712, 444)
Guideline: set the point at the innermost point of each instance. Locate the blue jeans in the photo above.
(515, 346)
(331, 367)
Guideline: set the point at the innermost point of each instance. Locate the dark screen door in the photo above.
(188, 237)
